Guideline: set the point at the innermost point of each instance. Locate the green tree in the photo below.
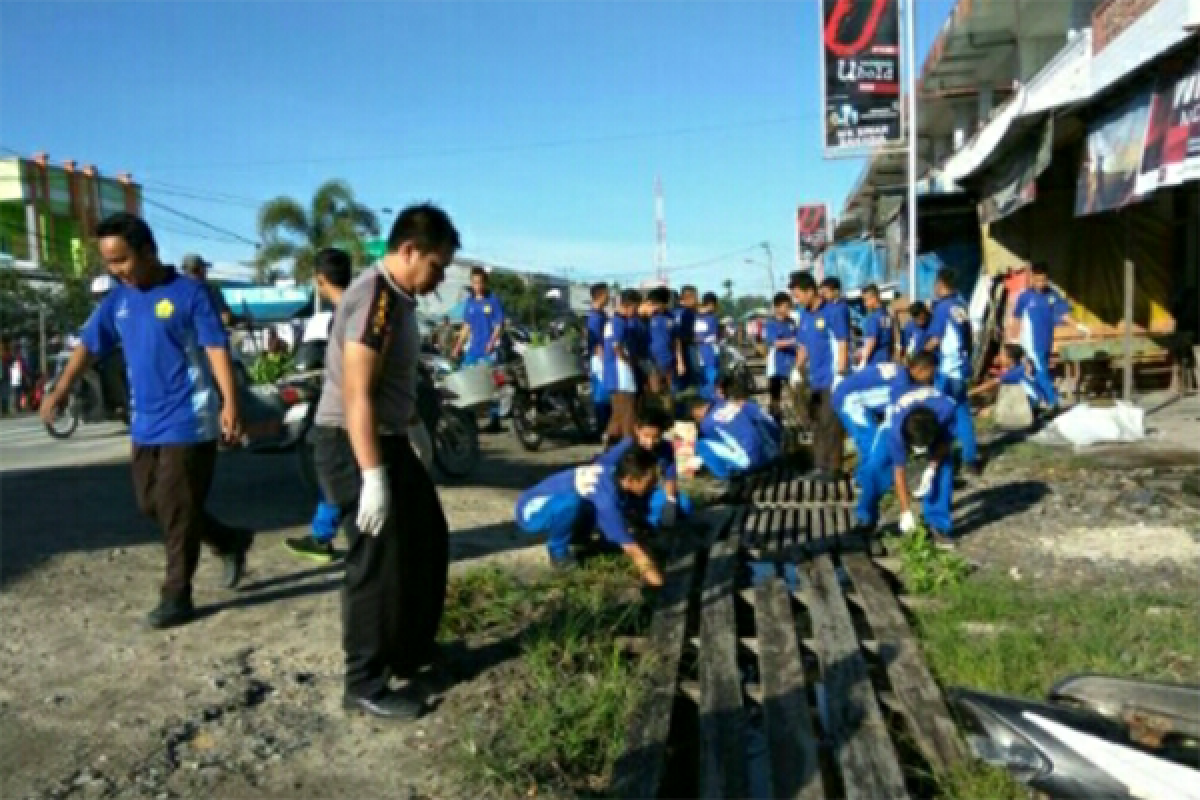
(334, 218)
(525, 303)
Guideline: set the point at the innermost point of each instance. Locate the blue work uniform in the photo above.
(574, 502)
(951, 325)
(664, 454)
(821, 348)
(706, 333)
(662, 336)
(619, 375)
(685, 326)
(768, 427)
(731, 440)
(890, 451)
(878, 326)
(172, 396)
(912, 338)
(780, 335)
(861, 401)
(597, 319)
(837, 323)
(1039, 314)
(482, 316)
(1019, 375)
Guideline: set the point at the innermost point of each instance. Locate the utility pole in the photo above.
(911, 21)
(766, 246)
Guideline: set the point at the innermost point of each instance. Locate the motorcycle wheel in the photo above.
(66, 422)
(456, 443)
(523, 426)
(585, 421)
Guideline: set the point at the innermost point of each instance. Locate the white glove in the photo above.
(908, 522)
(1084, 329)
(670, 512)
(373, 501)
(926, 481)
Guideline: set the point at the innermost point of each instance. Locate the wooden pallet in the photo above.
(783, 486)
(812, 659)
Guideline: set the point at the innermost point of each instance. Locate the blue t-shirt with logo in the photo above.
(596, 320)
(619, 375)
(942, 406)
(1039, 313)
(482, 315)
(594, 484)
(951, 325)
(739, 429)
(820, 332)
(664, 454)
(662, 342)
(870, 388)
(878, 326)
(164, 329)
(706, 332)
(912, 338)
(781, 358)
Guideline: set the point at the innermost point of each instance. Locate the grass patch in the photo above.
(1036, 638)
(560, 721)
(926, 567)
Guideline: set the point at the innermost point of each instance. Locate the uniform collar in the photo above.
(405, 296)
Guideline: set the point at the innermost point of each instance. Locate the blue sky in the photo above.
(540, 126)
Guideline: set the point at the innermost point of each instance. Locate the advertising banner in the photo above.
(1172, 152)
(811, 232)
(860, 75)
(1112, 155)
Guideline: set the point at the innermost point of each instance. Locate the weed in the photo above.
(926, 567)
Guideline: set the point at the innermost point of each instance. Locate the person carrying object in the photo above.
(1038, 311)
(483, 325)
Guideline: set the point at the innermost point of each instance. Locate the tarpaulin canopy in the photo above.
(269, 303)
(856, 264)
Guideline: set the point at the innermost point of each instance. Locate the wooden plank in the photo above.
(722, 716)
(791, 743)
(857, 732)
(638, 770)
(916, 692)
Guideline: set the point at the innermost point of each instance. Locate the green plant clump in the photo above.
(928, 568)
(269, 368)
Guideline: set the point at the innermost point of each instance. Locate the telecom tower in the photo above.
(660, 233)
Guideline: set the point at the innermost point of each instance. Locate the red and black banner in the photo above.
(860, 46)
(811, 232)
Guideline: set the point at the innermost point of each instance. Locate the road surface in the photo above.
(25, 445)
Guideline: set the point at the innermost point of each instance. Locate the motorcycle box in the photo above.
(552, 365)
(470, 387)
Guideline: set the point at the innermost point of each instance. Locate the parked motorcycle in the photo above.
(536, 412)
(1096, 736)
(100, 395)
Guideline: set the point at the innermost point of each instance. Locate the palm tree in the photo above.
(334, 219)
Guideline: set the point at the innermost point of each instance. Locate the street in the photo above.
(24, 445)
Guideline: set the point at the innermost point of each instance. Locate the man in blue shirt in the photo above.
(483, 322)
(1015, 370)
(597, 319)
(620, 371)
(664, 350)
(665, 504)
(920, 423)
(780, 335)
(877, 329)
(573, 502)
(685, 326)
(1038, 311)
(706, 354)
(950, 339)
(915, 331)
(823, 337)
(730, 440)
(175, 346)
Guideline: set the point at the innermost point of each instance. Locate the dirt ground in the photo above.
(245, 702)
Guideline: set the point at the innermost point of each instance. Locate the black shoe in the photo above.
(235, 560)
(564, 563)
(312, 549)
(171, 613)
(401, 706)
(975, 470)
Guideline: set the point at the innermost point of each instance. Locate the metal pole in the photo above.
(910, 23)
(42, 360)
(1127, 383)
(770, 266)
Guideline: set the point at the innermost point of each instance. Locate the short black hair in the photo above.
(709, 299)
(651, 416)
(918, 309)
(731, 388)
(924, 359)
(1039, 268)
(598, 289)
(871, 289)
(802, 280)
(696, 402)
(637, 463)
(947, 277)
(334, 265)
(130, 227)
(1016, 353)
(630, 297)
(921, 428)
(660, 294)
(832, 282)
(427, 227)
(480, 271)
(687, 289)
(781, 298)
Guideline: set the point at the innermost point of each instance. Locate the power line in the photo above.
(197, 221)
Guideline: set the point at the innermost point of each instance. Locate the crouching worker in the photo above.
(920, 423)
(576, 501)
(1016, 370)
(665, 503)
(730, 390)
(730, 437)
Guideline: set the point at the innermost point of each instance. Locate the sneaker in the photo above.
(235, 560)
(943, 540)
(171, 613)
(311, 548)
(398, 705)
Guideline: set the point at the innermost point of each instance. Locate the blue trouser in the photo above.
(559, 517)
(964, 425)
(862, 427)
(601, 404)
(658, 500)
(469, 359)
(326, 520)
(708, 381)
(877, 480)
(1043, 379)
(720, 459)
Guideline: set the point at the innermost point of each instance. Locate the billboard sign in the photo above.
(860, 75)
(811, 232)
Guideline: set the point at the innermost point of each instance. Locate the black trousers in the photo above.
(171, 483)
(395, 584)
(828, 435)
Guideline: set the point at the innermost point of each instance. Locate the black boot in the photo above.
(235, 559)
(171, 612)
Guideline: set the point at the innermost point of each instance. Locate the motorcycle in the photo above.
(536, 412)
(100, 395)
(1095, 736)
